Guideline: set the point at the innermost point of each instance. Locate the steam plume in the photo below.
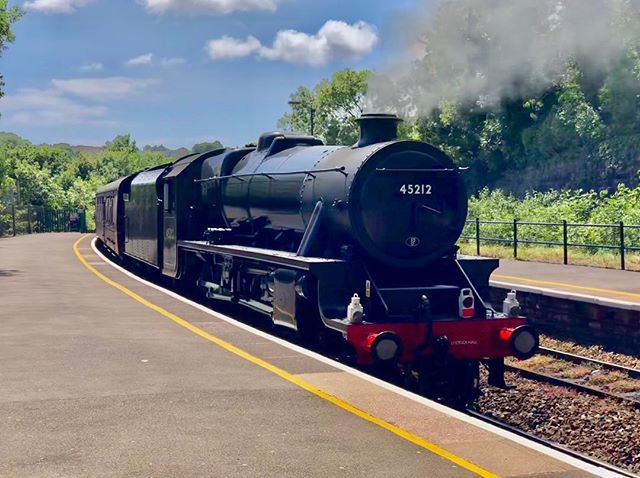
(480, 52)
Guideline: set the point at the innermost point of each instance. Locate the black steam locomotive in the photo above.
(351, 246)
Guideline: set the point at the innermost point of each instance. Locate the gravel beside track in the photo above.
(599, 427)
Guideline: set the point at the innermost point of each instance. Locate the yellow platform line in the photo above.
(410, 437)
(569, 286)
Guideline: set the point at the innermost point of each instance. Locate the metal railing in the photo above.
(564, 234)
(16, 220)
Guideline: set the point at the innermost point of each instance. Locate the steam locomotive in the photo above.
(349, 246)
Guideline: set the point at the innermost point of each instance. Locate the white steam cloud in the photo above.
(483, 51)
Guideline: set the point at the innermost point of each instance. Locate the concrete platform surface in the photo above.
(110, 377)
(591, 284)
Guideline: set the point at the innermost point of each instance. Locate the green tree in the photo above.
(122, 143)
(8, 16)
(204, 147)
(335, 105)
(302, 103)
(12, 139)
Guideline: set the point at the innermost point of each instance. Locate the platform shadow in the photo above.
(9, 272)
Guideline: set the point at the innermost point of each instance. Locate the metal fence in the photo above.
(16, 220)
(619, 237)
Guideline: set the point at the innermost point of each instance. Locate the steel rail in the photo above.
(550, 444)
(543, 377)
(569, 357)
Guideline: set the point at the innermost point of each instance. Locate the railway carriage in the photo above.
(110, 217)
(352, 246)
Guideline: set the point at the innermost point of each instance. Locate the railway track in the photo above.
(546, 378)
(547, 443)
(578, 359)
(569, 357)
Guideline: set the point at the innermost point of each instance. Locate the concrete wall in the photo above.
(581, 321)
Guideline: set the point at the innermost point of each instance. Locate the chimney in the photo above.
(377, 128)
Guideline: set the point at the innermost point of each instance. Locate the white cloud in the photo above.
(226, 48)
(55, 6)
(148, 59)
(62, 102)
(335, 40)
(115, 87)
(91, 67)
(141, 60)
(49, 107)
(216, 7)
(169, 62)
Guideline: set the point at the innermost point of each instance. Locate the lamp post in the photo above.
(312, 113)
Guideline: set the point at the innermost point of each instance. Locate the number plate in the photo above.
(413, 189)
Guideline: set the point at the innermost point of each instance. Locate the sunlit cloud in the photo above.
(334, 41)
(115, 87)
(142, 60)
(62, 102)
(55, 6)
(215, 7)
(88, 67)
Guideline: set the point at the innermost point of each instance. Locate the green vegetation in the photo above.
(203, 147)
(8, 16)
(582, 132)
(554, 206)
(335, 105)
(575, 207)
(65, 177)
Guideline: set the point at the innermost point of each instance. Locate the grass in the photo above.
(554, 255)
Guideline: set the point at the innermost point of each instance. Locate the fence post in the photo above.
(13, 218)
(515, 238)
(28, 219)
(83, 221)
(565, 241)
(477, 236)
(622, 264)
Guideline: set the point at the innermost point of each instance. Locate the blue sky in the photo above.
(178, 72)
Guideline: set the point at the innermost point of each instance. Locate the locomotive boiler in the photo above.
(351, 246)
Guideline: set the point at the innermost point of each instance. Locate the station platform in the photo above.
(608, 287)
(105, 375)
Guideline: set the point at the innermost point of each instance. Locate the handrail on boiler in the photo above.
(310, 172)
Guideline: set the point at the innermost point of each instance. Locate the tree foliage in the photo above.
(122, 143)
(64, 177)
(528, 102)
(583, 132)
(204, 147)
(8, 16)
(573, 206)
(336, 103)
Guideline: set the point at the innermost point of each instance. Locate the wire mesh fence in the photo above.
(619, 237)
(16, 220)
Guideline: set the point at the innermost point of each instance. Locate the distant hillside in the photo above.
(12, 139)
(169, 153)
